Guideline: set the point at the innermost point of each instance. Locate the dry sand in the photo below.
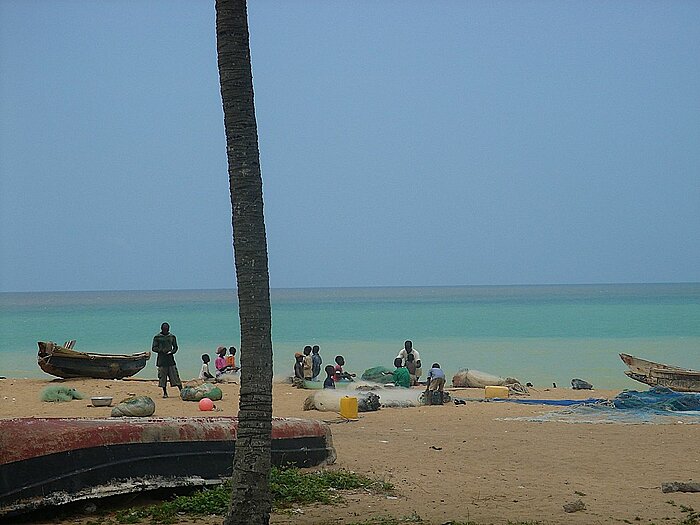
(458, 462)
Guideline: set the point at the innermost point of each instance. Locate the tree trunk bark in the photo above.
(250, 498)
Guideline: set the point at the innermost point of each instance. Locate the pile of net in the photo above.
(378, 374)
(657, 399)
(328, 400)
(60, 393)
(135, 406)
(227, 377)
(433, 397)
(658, 405)
(197, 393)
(469, 378)
(368, 402)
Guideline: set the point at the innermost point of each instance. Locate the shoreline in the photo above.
(454, 462)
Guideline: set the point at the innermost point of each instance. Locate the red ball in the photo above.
(206, 404)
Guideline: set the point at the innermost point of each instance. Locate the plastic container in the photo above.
(348, 407)
(496, 391)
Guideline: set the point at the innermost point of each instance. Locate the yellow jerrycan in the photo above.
(496, 391)
(348, 407)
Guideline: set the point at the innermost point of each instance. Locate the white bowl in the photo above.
(101, 401)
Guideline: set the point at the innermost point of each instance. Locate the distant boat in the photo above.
(49, 462)
(64, 361)
(658, 374)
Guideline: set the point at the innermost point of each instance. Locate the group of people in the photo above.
(165, 346)
(307, 367)
(307, 364)
(408, 369)
(224, 364)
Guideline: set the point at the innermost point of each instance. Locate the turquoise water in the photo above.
(542, 334)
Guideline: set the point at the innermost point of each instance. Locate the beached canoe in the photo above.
(49, 462)
(658, 374)
(65, 362)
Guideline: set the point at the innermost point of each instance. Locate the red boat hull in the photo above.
(55, 461)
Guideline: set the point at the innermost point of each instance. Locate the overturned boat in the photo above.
(659, 374)
(50, 462)
(64, 361)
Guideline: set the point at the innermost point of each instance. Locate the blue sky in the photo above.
(402, 143)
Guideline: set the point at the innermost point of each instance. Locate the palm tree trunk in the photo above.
(250, 498)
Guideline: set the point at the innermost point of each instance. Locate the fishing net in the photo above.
(378, 374)
(434, 397)
(55, 393)
(197, 393)
(658, 405)
(368, 402)
(136, 406)
(657, 399)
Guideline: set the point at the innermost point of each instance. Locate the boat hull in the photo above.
(67, 363)
(658, 374)
(46, 462)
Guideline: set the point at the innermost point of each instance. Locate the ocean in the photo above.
(540, 334)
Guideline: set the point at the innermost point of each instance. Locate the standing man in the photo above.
(403, 354)
(165, 345)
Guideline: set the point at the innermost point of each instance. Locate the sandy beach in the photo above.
(457, 462)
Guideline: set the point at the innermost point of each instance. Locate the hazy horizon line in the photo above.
(364, 287)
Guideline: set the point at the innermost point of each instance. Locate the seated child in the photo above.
(231, 360)
(298, 379)
(401, 376)
(411, 367)
(204, 372)
(329, 381)
(220, 361)
(338, 373)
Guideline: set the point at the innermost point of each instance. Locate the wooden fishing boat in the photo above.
(65, 362)
(49, 462)
(659, 374)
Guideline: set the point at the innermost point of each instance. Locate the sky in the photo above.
(403, 143)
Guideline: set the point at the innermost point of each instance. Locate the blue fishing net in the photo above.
(657, 399)
(553, 402)
(657, 405)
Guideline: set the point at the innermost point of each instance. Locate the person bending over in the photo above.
(436, 380)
